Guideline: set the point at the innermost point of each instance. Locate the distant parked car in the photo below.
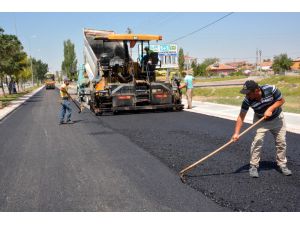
(247, 72)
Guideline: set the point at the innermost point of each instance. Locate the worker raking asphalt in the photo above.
(177, 139)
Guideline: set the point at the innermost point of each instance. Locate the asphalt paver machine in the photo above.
(117, 82)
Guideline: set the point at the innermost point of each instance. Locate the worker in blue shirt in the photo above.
(188, 84)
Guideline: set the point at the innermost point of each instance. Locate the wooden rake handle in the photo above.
(188, 168)
(73, 101)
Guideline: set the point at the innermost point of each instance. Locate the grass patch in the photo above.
(8, 98)
(220, 78)
(219, 92)
(281, 79)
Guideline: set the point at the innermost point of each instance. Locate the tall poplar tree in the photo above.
(181, 61)
(69, 64)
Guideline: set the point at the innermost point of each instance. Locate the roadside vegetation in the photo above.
(17, 69)
(16, 66)
(5, 100)
(212, 79)
(288, 85)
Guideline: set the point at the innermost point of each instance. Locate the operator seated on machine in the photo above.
(146, 58)
(149, 62)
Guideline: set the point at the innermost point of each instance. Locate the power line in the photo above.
(184, 36)
(150, 20)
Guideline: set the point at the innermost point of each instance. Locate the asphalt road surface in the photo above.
(84, 166)
(130, 162)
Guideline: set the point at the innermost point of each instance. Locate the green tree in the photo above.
(11, 58)
(3, 57)
(281, 63)
(25, 73)
(210, 61)
(195, 68)
(181, 61)
(202, 68)
(69, 64)
(18, 65)
(39, 70)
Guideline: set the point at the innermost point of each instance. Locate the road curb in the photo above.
(13, 105)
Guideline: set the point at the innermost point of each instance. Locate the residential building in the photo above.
(266, 65)
(221, 69)
(237, 64)
(296, 65)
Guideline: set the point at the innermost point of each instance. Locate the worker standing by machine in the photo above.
(188, 84)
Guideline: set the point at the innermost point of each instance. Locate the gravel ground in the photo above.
(181, 138)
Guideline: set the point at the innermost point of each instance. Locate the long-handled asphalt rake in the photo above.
(192, 166)
(73, 101)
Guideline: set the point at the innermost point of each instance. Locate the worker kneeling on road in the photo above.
(266, 101)
(65, 104)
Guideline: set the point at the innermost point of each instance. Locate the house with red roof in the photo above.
(237, 64)
(221, 69)
(266, 65)
(296, 65)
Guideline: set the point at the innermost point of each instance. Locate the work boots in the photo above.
(70, 122)
(253, 172)
(285, 171)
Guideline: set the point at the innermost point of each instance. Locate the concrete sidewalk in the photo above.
(16, 103)
(231, 113)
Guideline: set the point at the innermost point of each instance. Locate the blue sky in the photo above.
(234, 38)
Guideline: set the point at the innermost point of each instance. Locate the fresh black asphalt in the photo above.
(130, 162)
(83, 166)
(181, 138)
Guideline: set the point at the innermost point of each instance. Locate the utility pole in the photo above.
(260, 62)
(256, 62)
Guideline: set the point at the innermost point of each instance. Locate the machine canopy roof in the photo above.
(132, 37)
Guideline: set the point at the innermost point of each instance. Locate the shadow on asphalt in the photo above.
(77, 121)
(74, 121)
(263, 166)
(35, 98)
(101, 133)
(137, 112)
